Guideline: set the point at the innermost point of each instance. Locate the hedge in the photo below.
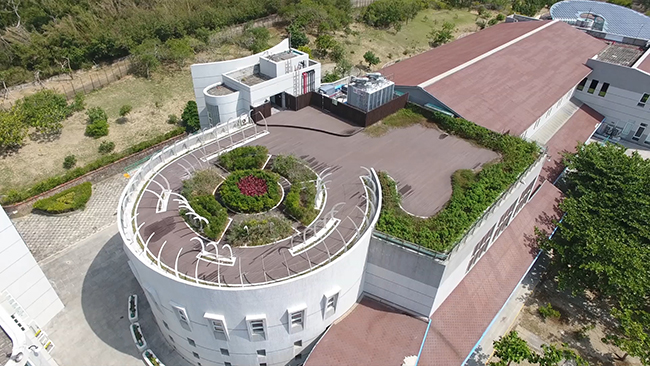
(208, 207)
(232, 197)
(472, 192)
(245, 157)
(259, 231)
(14, 196)
(292, 168)
(71, 199)
(300, 202)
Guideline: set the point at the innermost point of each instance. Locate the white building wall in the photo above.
(457, 265)
(22, 278)
(342, 276)
(210, 73)
(544, 118)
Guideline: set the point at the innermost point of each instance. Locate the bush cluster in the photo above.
(190, 117)
(13, 196)
(472, 192)
(292, 168)
(233, 198)
(69, 162)
(71, 199)
(125, 109)
(244, 157)
(208, 207)
(547, 311)
(97, 123)
(106, 147)
(391, 13)
(202, 183)
(300, 201)
(259, 231)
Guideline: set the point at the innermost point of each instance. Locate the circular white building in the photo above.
(261, 305)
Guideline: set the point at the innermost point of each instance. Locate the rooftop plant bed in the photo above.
(245, 157)
(292, 168)
(151, 359)
(71, 199)
(300, 202)
(208, 207)
(202, 183)
(259, 231)
(251, 191)
(473, 192)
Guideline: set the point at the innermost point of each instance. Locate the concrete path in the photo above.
(505, 319)
(48, 235)
(94, 282)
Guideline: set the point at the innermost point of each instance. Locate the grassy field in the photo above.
(412, 39)
(152, 100)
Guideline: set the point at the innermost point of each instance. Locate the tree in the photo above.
(97, 123)
(45, 111)
(602, 245)
(324, 43)
(12, 129)
(305, 49)
(343, 67)
(178, 51)
(442, 35)
(146, 57)
(390, 13)
(338, 52)
(298, 37)
(190, 117)
(510, 348)
(255, 39)
(371, 58)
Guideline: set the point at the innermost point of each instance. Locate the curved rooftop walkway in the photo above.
(420, 159)
(619, 20)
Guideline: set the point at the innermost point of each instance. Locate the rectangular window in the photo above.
(603, 90)
(196, 355)
(225, 352)
(480, 248)
(261, 352)
(643, 100)
(227, 364)
(582, 84)
(298, 357)
(296, 320)
(256, 327)
(524, 197)
(330, 304)
(171, 339)
(297, 343)
(537, 123)
(181, 314)
(191, 342)
(218, 325)
(592, 86)
(639, 132)
(505, 219)
(166, 325)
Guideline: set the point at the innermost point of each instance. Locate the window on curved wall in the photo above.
(213, 114)
(582, 84)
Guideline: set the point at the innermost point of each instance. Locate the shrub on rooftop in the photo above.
(259, 231)
(300, 202)
(207, 207)
(202, 183)
(473, 192)
(292, 168)
(244, 157)
(71, 199)
(250, 191)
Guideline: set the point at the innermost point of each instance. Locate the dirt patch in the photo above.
(152, 100)
(582, 325)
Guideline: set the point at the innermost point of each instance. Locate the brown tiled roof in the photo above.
(427, 65)
(510, 89)
(461, 320)
(645, 65)
(372, 334)
(577, 129)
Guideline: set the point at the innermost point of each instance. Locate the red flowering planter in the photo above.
(250, 191)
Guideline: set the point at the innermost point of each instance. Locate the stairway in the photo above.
(559, 118)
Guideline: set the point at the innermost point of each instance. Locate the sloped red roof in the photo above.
(510, 89)
(461, 320)
(427, 65)
(577, 129)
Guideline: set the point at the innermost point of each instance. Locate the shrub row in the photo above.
(472, 192)
(300, 202)
(292, 168)
(259, 231)
(233, 198)
(245, 157)
(13, 196)
(209, 208)
(71, 199)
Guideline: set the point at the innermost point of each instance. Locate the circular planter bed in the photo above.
(251, 191)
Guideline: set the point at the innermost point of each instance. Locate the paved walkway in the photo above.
(94, 281)
(48, 235)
